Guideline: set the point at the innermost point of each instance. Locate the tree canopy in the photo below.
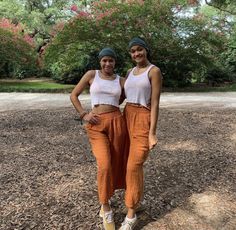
(183, 44)
(189, 41)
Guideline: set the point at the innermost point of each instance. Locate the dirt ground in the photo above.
(48, 172)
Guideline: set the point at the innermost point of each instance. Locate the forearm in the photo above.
(154, 118)
(76, 103)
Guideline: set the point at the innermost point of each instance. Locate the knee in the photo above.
(133, 167)
(104, 168)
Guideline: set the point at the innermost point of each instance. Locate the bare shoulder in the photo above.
(155, 73)
(88, 77)
(90, 74)
(155, 70)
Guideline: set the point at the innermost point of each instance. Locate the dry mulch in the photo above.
(48, 172)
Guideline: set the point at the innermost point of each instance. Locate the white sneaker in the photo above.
(108, 220)
(129, 224)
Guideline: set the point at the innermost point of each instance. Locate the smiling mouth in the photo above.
(137, 58)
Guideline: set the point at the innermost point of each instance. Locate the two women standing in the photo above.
(120, 165)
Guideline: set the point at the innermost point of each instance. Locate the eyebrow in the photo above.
(138, 47)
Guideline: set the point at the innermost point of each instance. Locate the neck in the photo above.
(143, 64)
(106, 74)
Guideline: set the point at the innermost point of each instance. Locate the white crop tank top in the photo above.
(138, 87)
(104, 91)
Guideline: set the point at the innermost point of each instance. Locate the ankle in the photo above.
(131, 213)
(106, 207)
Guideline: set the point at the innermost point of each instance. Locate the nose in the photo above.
(136, 53)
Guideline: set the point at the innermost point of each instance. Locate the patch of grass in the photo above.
(52, 87)
(42, 87)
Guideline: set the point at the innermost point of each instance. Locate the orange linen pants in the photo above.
(138, 124)
(108, 140)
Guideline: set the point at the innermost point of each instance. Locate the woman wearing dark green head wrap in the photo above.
(106, 128)
(142, 91)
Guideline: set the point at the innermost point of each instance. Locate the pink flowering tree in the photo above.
(17, 49)
(177, 43)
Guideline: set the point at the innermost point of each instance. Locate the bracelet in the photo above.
(82, 115)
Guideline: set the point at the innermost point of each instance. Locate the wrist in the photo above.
(82, 114)
(152, 133)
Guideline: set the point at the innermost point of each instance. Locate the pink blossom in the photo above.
(28, 39)
(16, 30)
(74, 8)
(83, 14)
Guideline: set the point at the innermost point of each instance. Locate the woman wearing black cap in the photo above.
(142, 91)
(106, 129)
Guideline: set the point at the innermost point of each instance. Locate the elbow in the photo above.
(73, 97)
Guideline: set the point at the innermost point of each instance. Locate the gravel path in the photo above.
(47, 170)
(25, 101)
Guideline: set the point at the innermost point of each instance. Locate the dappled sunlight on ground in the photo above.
(179, 219)
(204, 211)
(184, 145)
(214, 208)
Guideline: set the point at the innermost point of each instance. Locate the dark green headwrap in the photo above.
(107, 52)
(138, 42)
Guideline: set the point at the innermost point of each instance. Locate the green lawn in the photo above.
(12, 86)
(52, 87)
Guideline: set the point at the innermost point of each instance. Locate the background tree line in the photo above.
(189, 41)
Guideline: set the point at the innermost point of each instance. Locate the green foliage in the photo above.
(179, 45)
(186, 40)
(216, 75)
(39, 16)
(228, 6)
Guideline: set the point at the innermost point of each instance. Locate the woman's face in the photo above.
(107, 64)
(138, 54)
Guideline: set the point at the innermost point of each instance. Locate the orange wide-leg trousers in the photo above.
(138, 124)
(108, 140)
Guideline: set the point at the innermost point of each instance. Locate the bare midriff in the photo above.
(99, 109)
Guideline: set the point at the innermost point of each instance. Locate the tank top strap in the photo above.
(96, 74)
(148, 69)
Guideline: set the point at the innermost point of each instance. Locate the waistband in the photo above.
(137, 106)
(110, 114)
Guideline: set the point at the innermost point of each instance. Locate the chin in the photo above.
(139, 60)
